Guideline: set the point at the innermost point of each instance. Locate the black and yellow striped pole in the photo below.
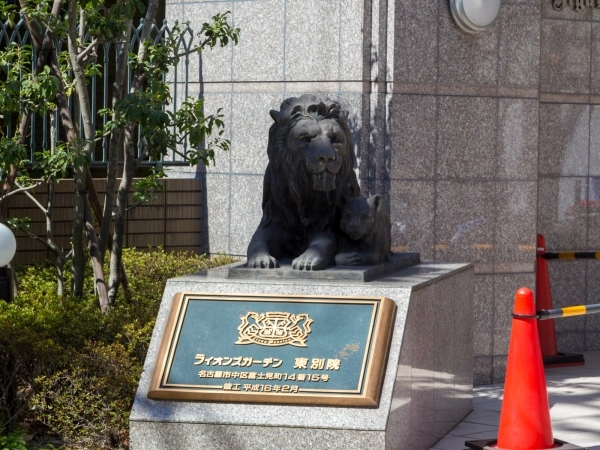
(569, 311)
(545, 309)
(571, 255)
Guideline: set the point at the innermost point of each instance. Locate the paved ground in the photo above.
(574, 394)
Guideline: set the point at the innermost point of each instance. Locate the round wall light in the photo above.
(8, 245)
(475, 16)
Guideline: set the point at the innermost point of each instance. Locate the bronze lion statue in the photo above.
(311, 168)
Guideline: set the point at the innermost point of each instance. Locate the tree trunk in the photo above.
(67, 123)
(96, 262)
(97, 209)
(130, 162)
(59, 260)
(119, 231)
(47, 56)
(80, 172)
(59, 263)
(14, 281)
(43, 46)
(78, 266)
(116, 141)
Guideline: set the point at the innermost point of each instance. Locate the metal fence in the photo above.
(100, 87)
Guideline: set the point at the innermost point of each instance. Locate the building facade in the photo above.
(477, 142)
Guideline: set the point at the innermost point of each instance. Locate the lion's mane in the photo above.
(285, 176)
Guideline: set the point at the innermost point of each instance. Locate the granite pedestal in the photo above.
(427, 388)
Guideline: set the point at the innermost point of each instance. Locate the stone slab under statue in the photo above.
(320, 237)
(359, 273)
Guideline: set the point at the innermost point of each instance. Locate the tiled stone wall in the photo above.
(446, 126)
(569, 164)
(464, 160)
(287, 48)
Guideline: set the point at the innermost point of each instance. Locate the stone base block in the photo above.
(427, 387)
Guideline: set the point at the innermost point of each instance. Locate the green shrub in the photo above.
(13, 440)
(71, 370)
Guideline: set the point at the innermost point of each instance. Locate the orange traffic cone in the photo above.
(547, 329)
(525, 415)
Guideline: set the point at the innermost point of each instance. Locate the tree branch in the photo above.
(10, 179)
(21, 189)
(178, 153)
(129, 208)
(43, 46)
(99, 138)
(198, 48)
(31, 197)
(51, 246)
(80, 81)
(141, 158)
(88, 49)
(81, 25)
(34, 29)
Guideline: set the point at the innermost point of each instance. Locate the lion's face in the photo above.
(358, 216)
(322, 146)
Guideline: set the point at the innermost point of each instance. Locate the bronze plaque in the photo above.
(274, 349)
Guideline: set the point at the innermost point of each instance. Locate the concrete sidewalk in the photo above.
(574, 394)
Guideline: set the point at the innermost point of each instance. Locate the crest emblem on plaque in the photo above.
(274, 329)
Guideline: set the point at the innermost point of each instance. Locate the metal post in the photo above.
(4, 285)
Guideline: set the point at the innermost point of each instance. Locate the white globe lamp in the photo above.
(8, 245)
(8, 248)
(475, 16)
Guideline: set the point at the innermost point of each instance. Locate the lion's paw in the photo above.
(262, 261)
(309, 260)
(349, 259)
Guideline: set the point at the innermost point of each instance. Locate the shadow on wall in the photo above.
(201, 174)
(370, 125)
(374, 142)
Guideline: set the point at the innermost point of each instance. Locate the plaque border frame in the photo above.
(371, 380)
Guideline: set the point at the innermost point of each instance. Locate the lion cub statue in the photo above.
(367, 229)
